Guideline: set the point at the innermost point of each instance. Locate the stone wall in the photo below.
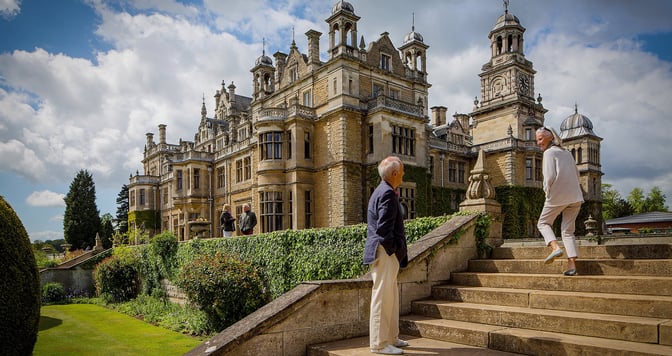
(322, 311)
(76, 279)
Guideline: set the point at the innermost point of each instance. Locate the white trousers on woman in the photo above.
(384, 318)
(569, 214)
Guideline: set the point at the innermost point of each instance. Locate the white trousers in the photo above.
(384, 317)
(569, 214)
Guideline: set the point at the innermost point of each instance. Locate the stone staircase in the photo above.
(620, 303)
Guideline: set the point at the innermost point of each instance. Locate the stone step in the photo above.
(642, 285)
(617, 327)
(418, 346)
(522, 341)
(629, 267)
(536, 250)
(604, 303)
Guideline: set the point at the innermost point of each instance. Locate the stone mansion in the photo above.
(303, 149)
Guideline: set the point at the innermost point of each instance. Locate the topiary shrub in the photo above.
(53, 292)
(226, 288)
(19, 286)
(116, 280)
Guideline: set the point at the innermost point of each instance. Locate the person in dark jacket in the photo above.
(227, 221)
(385, 252)
(247, 220)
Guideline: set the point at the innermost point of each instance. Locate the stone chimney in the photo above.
(439, 115)
(162, 133)
(313, 47)
(150, 139)
(232, 93)
(280, 63)
(464, 121)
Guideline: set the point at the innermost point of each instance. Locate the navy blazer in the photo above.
(385, 222)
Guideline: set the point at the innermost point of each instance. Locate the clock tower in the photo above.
(507, 115)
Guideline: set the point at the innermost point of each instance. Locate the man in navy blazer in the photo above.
(385, 252)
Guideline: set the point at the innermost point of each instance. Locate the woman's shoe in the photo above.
(570, 272)
(553, 255)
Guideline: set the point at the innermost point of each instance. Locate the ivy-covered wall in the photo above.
(521, 207)
(429, 200)
(149, 217)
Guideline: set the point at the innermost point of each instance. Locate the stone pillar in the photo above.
(481, 198)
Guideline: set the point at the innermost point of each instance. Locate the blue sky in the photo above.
(82, 81)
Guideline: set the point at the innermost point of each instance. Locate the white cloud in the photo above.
(60, 114)
(16, 157)
(46, 198)
(45, 235)
(10, 8)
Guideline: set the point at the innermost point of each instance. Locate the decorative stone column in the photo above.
(481, 198)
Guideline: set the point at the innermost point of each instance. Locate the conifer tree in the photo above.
(122, 209)
(81, 220)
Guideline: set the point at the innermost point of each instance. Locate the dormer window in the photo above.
(385, 62)
(293, 74)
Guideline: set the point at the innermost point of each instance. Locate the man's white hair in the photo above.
(388, 166)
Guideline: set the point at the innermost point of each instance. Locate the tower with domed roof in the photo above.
(507, 114)
(578, 137)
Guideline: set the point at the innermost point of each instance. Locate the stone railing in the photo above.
(322, 311)
(384, 102)
(142, 179)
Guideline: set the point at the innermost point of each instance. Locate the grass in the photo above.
(86, 329)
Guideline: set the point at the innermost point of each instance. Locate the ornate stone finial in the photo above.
(479, 181)
(576, 108)
(204, 112)
(591, 226)
(263, 46)
(539, 98)
(99, 243)
(509, 131)
(506, 6)
(413, 22)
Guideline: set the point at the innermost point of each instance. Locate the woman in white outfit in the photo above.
(563, 195)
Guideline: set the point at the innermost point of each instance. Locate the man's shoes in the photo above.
(553, 256)
(388, 350)
(570, 272)
(400, 343)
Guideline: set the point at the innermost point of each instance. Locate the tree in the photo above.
(19, 286)
(81, 220)
(613, 205)
(122, 210)
(636, 200)
(106, 230)
(655, 201)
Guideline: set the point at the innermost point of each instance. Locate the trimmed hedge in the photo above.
(19, 286)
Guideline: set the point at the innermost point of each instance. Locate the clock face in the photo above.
(523, 84)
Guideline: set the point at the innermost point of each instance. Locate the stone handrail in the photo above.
(322, 311)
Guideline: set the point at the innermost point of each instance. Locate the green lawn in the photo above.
(86, 329)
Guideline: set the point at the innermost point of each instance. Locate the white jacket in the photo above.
(561, 178)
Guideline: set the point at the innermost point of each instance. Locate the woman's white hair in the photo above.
(549, 131)
(388, 166)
